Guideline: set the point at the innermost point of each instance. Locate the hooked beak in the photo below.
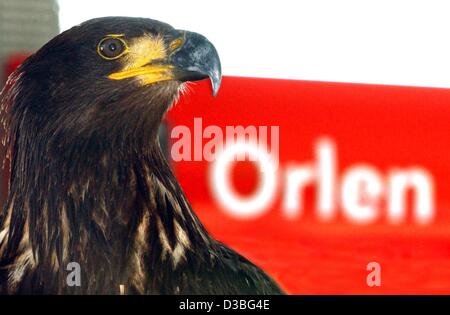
(196, 59)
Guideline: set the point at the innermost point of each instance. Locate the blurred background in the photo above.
(387, 117)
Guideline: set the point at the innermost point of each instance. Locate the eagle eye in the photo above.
(111, 48)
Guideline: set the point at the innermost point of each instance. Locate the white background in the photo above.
(390, 42)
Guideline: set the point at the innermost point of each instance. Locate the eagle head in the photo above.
(107, 83)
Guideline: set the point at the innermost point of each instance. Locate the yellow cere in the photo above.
(136, 63)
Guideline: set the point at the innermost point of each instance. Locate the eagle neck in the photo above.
(119, 219)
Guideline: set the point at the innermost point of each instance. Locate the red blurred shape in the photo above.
(12, 62)
(384, 127)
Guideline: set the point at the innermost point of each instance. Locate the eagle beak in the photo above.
(187, 57)
(195, 58)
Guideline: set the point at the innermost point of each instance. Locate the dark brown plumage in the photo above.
(89, 183)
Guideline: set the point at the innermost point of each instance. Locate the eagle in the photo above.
(88, 180)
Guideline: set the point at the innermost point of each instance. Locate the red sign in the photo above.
(361, 180)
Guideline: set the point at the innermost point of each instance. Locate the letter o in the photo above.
(244, 207)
